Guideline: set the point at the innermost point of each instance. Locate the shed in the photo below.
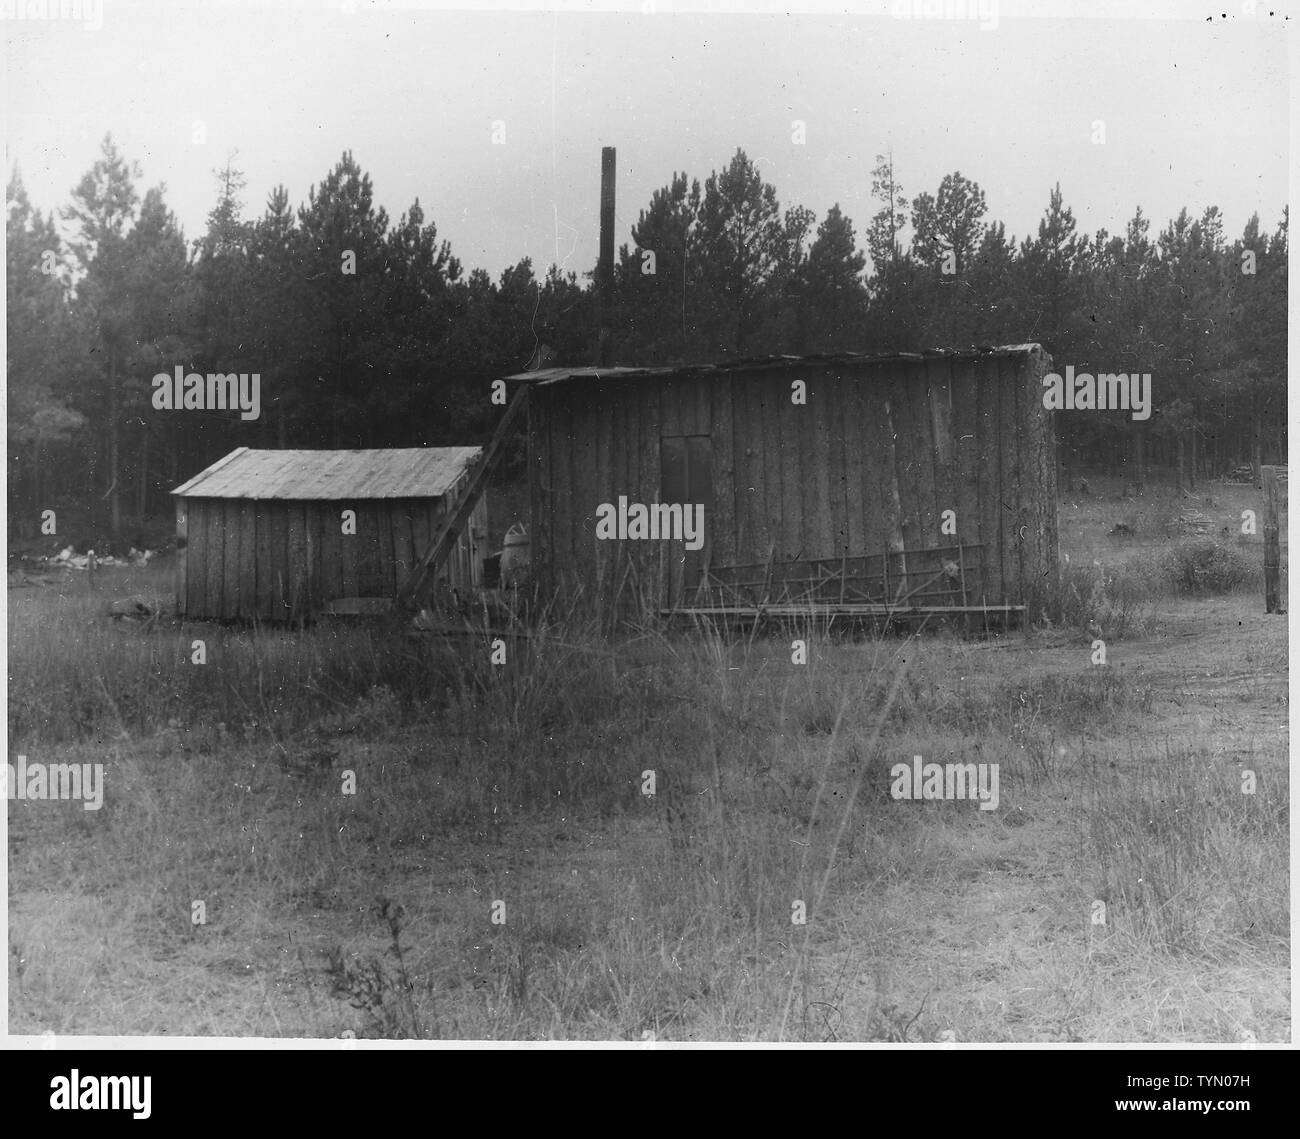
(264, 534)
(858, 484)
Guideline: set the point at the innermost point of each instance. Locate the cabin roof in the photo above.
(405, 472)
(544, 376)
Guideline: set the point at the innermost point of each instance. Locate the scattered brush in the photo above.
(384, 994)
(1204, 565)
(133, 609)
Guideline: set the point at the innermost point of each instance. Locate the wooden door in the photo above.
(686, 479)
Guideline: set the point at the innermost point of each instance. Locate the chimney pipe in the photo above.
(605, 266)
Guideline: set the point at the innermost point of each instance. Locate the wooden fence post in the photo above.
(1272, 545)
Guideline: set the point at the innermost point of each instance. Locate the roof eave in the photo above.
(546, 376)
(195, 487)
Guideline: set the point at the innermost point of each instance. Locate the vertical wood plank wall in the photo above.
(870, 464)
(282, 560)
(1043, 565)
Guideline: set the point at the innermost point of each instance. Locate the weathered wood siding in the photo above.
(284, 560)
(870, 464)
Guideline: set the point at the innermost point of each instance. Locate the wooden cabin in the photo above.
(266, 535)
(856, 484)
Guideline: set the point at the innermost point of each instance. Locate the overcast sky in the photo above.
(1195, 112)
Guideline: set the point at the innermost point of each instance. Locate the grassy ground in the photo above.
(499, 871)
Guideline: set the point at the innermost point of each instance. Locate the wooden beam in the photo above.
(417, 587)
(832, 610)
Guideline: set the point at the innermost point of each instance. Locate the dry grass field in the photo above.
(497, 870)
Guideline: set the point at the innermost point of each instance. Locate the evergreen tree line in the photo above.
(368, 333)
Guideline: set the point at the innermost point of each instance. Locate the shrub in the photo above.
(1204, 565)
(1118, 597)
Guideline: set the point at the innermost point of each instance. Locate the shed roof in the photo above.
(406, 472)
(757, 363)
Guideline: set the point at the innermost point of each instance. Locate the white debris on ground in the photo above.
(28, 569)
(68, 558)
(1246, 474)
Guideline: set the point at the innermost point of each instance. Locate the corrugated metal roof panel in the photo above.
(562, 375)
(407, 472)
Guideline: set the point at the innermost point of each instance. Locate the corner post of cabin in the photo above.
(181, 551)
(1051, 542)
